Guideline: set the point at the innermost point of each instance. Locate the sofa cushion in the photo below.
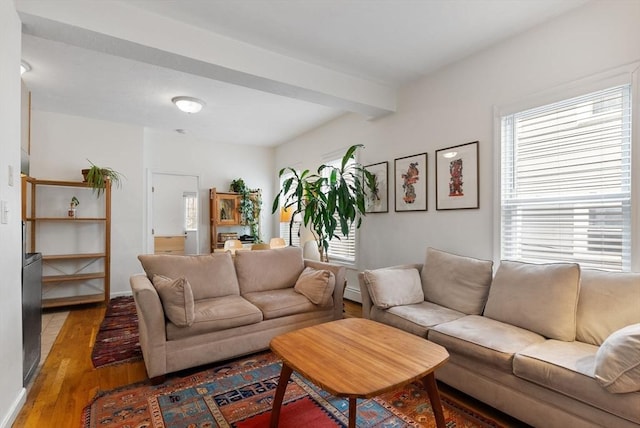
(416, 319)
(268, 270)
(393, 286)
(483, 339)
(281, 303)
(316, 285)
(541, 298)
(608, 301)
(211, 275)
(215, 314)
(457, 282)
(568, 368)
(618, 361)
(177, 299)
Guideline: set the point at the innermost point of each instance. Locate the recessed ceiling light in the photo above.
(181, 131)
(188, 104)
(24, 67)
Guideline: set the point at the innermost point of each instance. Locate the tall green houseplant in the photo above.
(330, 200)
(250, 207)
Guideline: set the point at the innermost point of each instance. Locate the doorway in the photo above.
(175, 213)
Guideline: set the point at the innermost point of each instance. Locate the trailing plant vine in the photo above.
(249, 207)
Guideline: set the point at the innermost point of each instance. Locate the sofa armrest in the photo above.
(367, 303)
(151, 324)
(340, 273)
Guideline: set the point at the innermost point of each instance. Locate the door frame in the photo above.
(148, 226)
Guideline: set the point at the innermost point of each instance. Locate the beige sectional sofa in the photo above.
(552, 345)
(194, 310)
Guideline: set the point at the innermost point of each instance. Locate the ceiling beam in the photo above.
(121, 29)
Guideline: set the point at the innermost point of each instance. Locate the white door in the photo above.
(175, 209)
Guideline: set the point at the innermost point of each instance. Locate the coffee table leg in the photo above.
(285, 374)
(429, 382)
(352, 412)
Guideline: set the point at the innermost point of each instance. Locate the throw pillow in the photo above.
(177, 299)
(316, 285)
(542, 298)
(618, 361)
(394, 287)
(456, 282)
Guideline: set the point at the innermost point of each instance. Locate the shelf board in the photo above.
(72, 256)
(66, 219)
(74, 300)
(74, 277)
(60, 183)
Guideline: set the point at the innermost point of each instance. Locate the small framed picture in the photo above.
(378, 198)
(411, 183)
(457, 177)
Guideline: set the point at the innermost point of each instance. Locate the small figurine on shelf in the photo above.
(72, 207)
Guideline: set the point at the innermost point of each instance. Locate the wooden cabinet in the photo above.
(225, 218)
(169, 244)
(75, 247)
(226, 208)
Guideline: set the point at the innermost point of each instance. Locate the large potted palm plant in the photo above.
(330, 200)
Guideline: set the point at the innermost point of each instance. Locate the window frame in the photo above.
(627, 74)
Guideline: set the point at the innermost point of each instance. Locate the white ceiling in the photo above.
(268, 70)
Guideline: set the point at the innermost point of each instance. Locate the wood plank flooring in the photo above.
(67, 381)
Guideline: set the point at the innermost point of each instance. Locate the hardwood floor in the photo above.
(67, 381)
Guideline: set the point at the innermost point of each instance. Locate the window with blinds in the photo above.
(566, 182)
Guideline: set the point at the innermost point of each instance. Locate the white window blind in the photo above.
(566, 182)
(343, 249)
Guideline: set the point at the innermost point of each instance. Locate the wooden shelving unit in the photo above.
(224, 213)
(69, 267)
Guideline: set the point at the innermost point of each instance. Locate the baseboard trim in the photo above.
(352, 294)
(14, 410)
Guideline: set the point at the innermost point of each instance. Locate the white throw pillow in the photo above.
(618, 361)
(394, 287)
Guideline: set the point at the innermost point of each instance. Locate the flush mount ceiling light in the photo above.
(188, 104)
(24, 67)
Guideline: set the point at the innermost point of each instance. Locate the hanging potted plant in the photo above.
(330, 201)
(97, 177)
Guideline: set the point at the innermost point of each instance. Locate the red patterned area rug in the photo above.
(239, 394)
(117, 340)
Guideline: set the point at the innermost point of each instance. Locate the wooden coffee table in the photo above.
(358, 358)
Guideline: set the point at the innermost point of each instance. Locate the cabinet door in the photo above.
(227, 209)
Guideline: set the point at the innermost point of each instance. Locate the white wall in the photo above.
(60, 147)
(455, 106)
(12, 394)
(217, 165)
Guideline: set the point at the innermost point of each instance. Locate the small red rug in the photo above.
(239, 394)
(117, 340)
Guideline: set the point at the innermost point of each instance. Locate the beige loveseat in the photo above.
(552, 345)
(194, 310)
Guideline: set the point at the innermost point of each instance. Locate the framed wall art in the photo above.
(457, 177)
(378, 200)
(410, 178)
